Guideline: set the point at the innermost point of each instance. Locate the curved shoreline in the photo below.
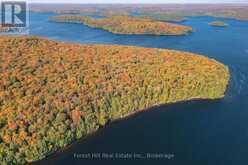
(102, 85)
(134, 114)
(127, 26)
(175, 35)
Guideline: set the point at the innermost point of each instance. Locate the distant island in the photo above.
(162, 12)
(127, 25)
(218, 24)
(161, 16)
(53, 93)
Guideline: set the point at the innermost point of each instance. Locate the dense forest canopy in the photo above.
(52, 93)
(127, 25)
(164, 12)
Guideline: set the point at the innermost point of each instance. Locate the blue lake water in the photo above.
(198, 132)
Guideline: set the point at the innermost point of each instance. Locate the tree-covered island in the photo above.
(218, 24)
(126, 25)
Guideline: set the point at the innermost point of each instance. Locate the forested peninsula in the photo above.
(126, 25)
(53, 93)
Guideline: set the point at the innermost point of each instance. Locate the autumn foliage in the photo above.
(218, 24)
(52, 93)
(127, 25)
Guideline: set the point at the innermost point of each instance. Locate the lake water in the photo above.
(197, 133)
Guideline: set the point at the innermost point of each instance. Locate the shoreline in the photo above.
(172, 35)
(172, 29)
(106, 126)
(191, 92)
